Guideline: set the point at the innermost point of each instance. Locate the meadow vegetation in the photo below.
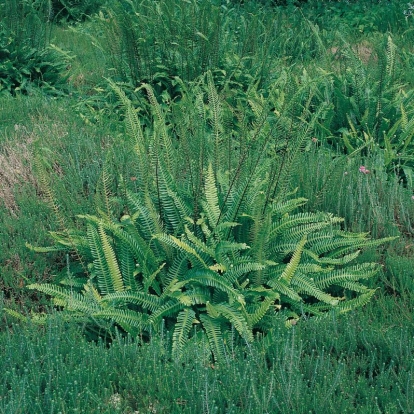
(206, 206)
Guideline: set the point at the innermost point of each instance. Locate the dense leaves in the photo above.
(215, 243)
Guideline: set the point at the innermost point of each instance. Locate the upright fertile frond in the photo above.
(215, 107)
(390, 58)
(198, 243)
(105, 192)
(174, 208)
(132, 123)
(127, 266)
(134, 130)
(129, 239)
(160, 126)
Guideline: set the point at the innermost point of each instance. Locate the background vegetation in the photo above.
(319, 92)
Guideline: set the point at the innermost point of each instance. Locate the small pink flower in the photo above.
(314, 139)
(363, 170)
(412, 197)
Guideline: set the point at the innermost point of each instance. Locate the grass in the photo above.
(354, 364)
(357, 363)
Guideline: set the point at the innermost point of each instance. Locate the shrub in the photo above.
(210, 238)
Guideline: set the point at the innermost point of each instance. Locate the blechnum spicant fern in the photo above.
(212, 240)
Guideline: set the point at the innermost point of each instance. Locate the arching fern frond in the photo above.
(143, 299)
(234, 316)
(289, 271)
(185, 320)
(212, 328)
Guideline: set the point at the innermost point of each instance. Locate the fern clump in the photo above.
(215, 242)
(26, 59)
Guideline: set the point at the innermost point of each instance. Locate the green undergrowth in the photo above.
(50, 131)
(359, 363)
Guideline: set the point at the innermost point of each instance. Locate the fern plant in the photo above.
(26, 60)
(376, 110)
(212, 240)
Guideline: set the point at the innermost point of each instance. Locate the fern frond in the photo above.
(148, 281)
(291, 267)
(280, 286)
(160, 125)
(288, 222)
(362, 244)
(148, 216)
(146, 300)
(235, 273)
(308, 286)
(111, 261)
(282, 208)
(198, 243)
(348, 274)
(357, 302)
(124, 317)
(211, 207)
(169, 308)
(181, 245)
(128, 267)
(212, 328)
(16, 315)
(72, 301)
(182, 329)
(100, 268)
(216, 110)
(209, 278)
(259, 312)
(133, 125)
(235, 317)
(341, 261)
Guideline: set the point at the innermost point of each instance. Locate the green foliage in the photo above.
(74, 10)
(376, 108)
(329, 365)
(154, 43)
(215, 242)
(360, 362)
(26, 60)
